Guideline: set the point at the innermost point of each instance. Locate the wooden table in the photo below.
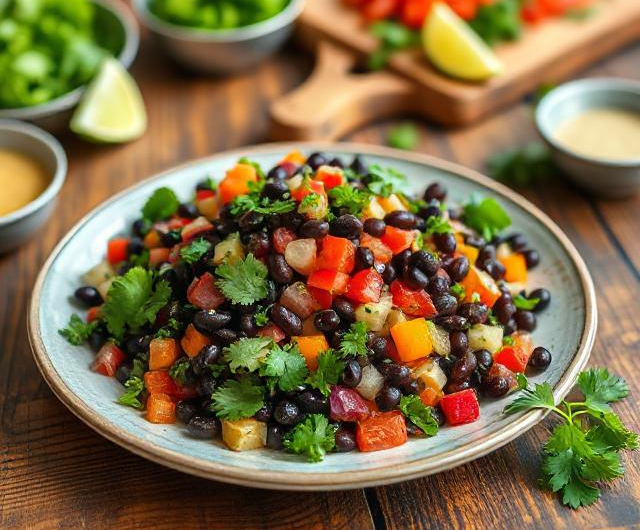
(56, 473)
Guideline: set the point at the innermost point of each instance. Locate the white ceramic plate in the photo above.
(567, 328)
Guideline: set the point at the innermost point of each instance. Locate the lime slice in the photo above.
(111, 109)
(453, 47)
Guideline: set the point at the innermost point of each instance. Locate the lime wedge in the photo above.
(111, 109)
(453, 47)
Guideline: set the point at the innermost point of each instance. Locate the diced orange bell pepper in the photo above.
(236, 182)
(334, 282)
(160, 409)
(310, 346)
(159, 382)
(381, 252)
(480, 282)
(466, 250)
(337, 254)
(296, 157)
(152, 239)
(193, 341)
(412, 339)
(515, 268)
(329, 176)
(158, 255)
(396, 239)
(430, 396)
(117, 250)
(381, 431)
(163, 352)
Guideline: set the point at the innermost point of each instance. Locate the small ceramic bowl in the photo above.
(225, 51)
(32, 141)
(603, 177)
(115, 23)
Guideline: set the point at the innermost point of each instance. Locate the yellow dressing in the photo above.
(22, 179)
(602, 133)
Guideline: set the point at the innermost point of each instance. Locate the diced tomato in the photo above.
(333, 282)
(381, 431)
(329, 176)
(204, 293)
(281, 238)
(322, 297)
(205, 194)
(460, 407)
(163, 352)
(117, 250)
(337, 254)
(516, 356)
(159, 382)
(379, 9)
(396, 239)
(273, 332)
(107, 360)
(412, 302)
(195, 227)
(365, 286)
(381, 252)
(158, 256)
(160, 409)
(94, 313)
(193, 341)
(307, 188)
(185, 392)
(414, 12)
(289, 167)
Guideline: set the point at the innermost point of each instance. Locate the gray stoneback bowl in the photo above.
(18, 226)
(118, 26)
(223, 52)
(613, 179)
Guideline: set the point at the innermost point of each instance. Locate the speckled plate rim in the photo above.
(376, 476)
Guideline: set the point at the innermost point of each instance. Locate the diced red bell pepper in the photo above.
(159, 382)
(381, 431)
(195, 227)
(337, 254)
(333, 282)
(204, 293)
(273, 332)
(412, 302)
(117, 250)
(329, 176)
(396, 239)
(516, 356)
(94, 313)
(322, 297)
(281, 238)
(465, 9)
(205, 194)
(307, 188)
(460, 407)
(365, 286)
(158, 256)
(185, 392)
(345, 404)
(381, 252)
(379, 9)
(177, 223)
(107, 360)
(414, 12)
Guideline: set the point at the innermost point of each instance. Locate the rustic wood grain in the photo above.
(55, 473)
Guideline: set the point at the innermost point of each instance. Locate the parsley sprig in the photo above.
(354, 341)
(585, 448)
(418, 413)
(330, 366)
(243, 282)
(77, 331)
(313, 437)
(134, 385)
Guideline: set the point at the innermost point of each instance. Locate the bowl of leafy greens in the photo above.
(219, 36)
(51, 49)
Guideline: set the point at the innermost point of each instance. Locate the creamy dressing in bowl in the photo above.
(22, 180)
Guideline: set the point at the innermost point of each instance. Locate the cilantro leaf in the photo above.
(261, 316)
(601, 388)
(133, 301)
(243, 282)
(238, 399)
(263, 205)
(354, 341)
(403, 136)
(508, 340)
(313, 437)
(417, 412)
(181, 372)
(610, 432)
(438, 225)
(527, 304)
(577, 493)
(329, 369)
(539, 398)
(354, 200)
(384, 181)
(195, 250)
(162, 204)
(246, 353)
(77, 331)
(485, 216)
(458, 290)
(134, 385)
(497, 22)
(522, 166)
(287, 366)
(559, 468)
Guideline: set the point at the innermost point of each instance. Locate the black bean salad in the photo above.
(313, 308)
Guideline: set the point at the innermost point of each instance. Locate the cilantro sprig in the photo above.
(485, 216)
(243, 282)
(584, 449)
(313, 437)
(238, 399)
(384, 181)
(246, 354)
(134, 385)
(354, 341)
(163, 203)
(330, 366)
(77, 331)
(354, 200)
(418, 413)
(195, 250)
(285, 367)
(438, 225)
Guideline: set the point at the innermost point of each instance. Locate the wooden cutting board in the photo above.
(335, 100)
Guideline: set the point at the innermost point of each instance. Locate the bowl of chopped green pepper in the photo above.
(51, 49)
(219, 36)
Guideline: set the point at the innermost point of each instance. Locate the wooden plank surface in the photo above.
(55, 473)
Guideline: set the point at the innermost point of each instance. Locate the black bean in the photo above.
(374, 227)
(445, 363)
(445, 243)
(401, 219)
(277, 173)
(345, 310)
(123, 372)
(335, 340)
(347, 225)
(401, 261)
(413, 429)
(543, 296)
(464, 367)
(431, 210)
(312, 402)
(250, 221)
(496, 386)
(459, 343)
(389, 274)
(226, 336)
(435, 191)
(388, 398)
(209, 354)
(287, 413)
(517, 242)
(446, 304)
(425, 261)
(140, 227)
(136, 246)
(188, 210)
(504, 309)
(488, 252)
(540, 358)
(359, 166)
(453, 323)
(279, 269)
(186, 410)
(326, 320)
(526, 320)
(415, 278)
(171, 238)
(97, 339)
(379, 267)
(207, 385)
(364, 259)
(439, 416)
(314, 228)
(532, 258)
(410, 387)
(379, 347)
(438, 285)
(336, 162)
(395, 374)
(474, 241)
(510, 327)
(458, 269)
(288, 321)
(248, 325)
(484, 360)
(275, 436)
(420, 224)
(453, 387)
(345, 440)
(204, 427)
(209, 320)
(316, 160)
(495, 269)
(265, 413)
(89, 296)
(275, 189)
(475, 313)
